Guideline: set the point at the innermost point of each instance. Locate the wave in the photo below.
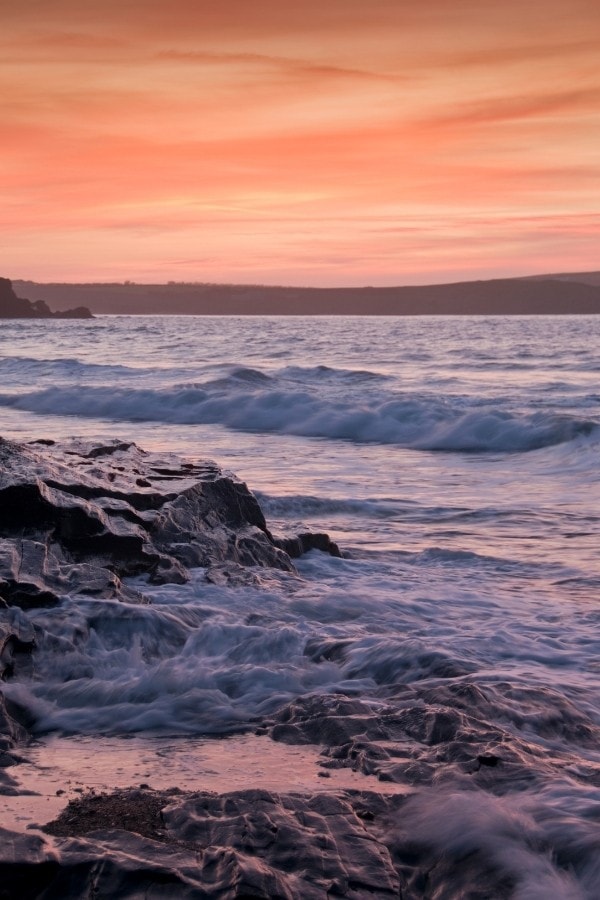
(300, 505)
(185, 664)
(327, 373)
(500, 431)
(421, 423)
(25, 367)
(321, 377)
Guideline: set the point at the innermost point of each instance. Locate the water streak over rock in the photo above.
(75, 519)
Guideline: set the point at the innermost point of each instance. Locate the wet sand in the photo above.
(59, 769)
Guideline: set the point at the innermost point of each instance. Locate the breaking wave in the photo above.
(421, 423)
(24, 368)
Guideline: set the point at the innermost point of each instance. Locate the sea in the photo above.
(455, 460)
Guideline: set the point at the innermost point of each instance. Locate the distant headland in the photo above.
(14, 307)
(559, 294)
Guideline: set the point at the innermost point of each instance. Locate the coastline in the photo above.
(73, 802)
(445, 663)
(552, 295)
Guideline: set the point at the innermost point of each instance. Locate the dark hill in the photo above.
(584, 277)
(549, 295)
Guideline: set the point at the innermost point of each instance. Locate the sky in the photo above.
(320, 142)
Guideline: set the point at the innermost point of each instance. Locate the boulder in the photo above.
(77, 518)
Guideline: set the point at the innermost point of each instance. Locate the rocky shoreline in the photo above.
(77, 518)
(77, 521)
(142, 843)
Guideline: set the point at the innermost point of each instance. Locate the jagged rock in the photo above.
(299, 544)
(330, 720)
(13, 307)
(11, 732)
(17, 642)
(251, 843)
(259, 844)
(78, 518)
(16, 639)
(416, 739)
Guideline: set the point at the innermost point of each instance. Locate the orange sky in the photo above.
(331, 142)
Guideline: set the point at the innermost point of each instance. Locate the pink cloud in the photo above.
(342, 140)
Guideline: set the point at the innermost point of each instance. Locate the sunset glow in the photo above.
(339, 143)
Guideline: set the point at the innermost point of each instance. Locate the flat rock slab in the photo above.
(251, 843)
(358, 845)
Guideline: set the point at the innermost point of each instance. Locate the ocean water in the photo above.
(454, 460)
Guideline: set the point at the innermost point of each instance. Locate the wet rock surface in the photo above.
(462, 822)
(251, 843)
(424, 737)
(262, 844)
(77, 518)
(298, 544)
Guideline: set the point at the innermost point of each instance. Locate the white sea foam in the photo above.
(509, 838)
(420, 423)
(208, 659)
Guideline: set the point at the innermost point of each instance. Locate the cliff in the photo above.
(13, 307)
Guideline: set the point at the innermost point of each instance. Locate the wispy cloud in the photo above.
(303, 68)
(524, 106)
(293, 135)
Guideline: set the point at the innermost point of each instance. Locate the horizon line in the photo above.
(308, 287)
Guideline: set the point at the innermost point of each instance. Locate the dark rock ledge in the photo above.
(245, 844)
(77, 518)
